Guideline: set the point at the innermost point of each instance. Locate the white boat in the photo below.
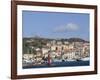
(56, 60)
(70, 60)
(85, 59)
(27, 61)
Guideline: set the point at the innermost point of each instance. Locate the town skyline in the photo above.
(41, 52)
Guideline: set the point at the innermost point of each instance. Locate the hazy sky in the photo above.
(55, 25)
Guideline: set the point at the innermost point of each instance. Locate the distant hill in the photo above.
(76, 40)
(48, 39)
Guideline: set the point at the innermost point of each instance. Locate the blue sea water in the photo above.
(61, 64)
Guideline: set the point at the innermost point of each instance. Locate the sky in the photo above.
(55, 25)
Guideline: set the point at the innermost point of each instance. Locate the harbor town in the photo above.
(51, 52)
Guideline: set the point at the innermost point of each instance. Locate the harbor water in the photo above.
(58, 64)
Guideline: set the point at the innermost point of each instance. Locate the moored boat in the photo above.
(85, 59)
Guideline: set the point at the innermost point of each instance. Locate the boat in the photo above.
(85, 59)
(70, 60)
